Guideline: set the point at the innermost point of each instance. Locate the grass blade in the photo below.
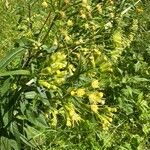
(15, 72)
(6, 60)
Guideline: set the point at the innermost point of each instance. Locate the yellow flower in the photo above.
(86, 25)
(60, 80)
(105, 128)
(110, 119)
(54, 121)
(85, 2)
(139, 10)
(68, 122)
(111, 115)
(99, 8)
(83, 16)
(67, 38)
(73, 93)
(100, 94)
(80, 92)
(14, 86)
(64, 32)
(94, 108)
(44, 4)
(102, 102)
(95, 84)
(66, 1)
(71, 69)
(70, 108)
(81, 41)
(69, 23)
(117, 38)
(54, 87)
(75, 118)
(62, 13)
(95, 97)
(114, 109)
(46, 115)
(44, 84)
(97, 52)
(55, 42)
(46, 70)
(105, 124)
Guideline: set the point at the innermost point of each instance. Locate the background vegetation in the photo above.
(75, 75)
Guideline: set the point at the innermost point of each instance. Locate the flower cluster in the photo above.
(55, 74)
(78, 71)
(107, 118)
(72, 116)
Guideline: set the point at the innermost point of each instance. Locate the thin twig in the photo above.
(30, 21)
(44, 24)
(49, 29)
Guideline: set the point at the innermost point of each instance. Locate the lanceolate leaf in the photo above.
(5, 61)
(15, 72)
(5, 86)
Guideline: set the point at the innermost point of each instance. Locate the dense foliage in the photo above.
(75, 75)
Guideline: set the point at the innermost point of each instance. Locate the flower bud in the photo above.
(44, 4)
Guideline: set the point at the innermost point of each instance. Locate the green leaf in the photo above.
(36, 120)
(129, 90)
(5, 87)
(146, 128)
(140, 97)
(26, 141)
(5, 61)
(4, 143)
(14, 144)
(30, 95)
(51, 49)
(138, 79)
(15, 72)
